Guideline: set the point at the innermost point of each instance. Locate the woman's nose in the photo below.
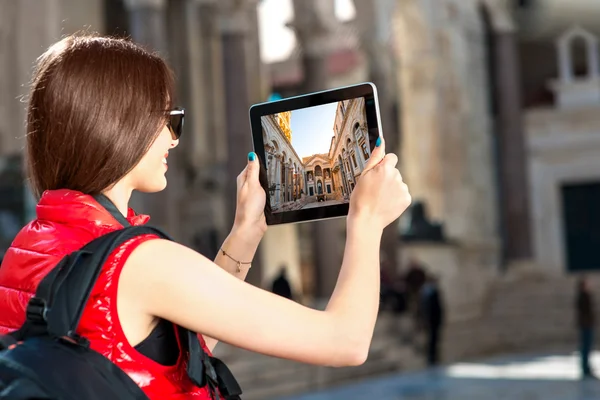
(174, 143)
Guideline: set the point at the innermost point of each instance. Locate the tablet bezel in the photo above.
(366, 90)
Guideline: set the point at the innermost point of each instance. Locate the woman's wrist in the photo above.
(363, 229)
(247, 235)
(356, 222)
(237, 251)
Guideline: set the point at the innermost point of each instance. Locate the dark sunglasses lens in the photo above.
(176, 124)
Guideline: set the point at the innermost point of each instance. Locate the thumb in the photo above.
(377, 155)
(253, 168)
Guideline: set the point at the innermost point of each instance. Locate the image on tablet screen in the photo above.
(315, 155)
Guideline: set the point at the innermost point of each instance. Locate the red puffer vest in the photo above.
(66, 221)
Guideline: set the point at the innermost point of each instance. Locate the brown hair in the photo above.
(96, 106)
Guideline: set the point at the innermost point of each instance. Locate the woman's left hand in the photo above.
(251, 199)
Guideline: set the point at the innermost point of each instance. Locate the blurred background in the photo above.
(493, 107)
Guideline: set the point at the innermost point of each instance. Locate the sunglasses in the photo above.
(175, 123)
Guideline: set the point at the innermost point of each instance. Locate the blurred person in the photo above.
(432, 313)
(101, 123)
(386, 287)
(414, 278)
(281, 285)
(392, 290)
(584, 305)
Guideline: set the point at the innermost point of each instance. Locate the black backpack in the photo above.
(46, 359)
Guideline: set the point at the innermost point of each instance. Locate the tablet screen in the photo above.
(314, 150)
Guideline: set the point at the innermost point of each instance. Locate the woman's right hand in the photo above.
(380, 196)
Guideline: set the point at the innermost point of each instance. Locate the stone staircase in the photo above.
(527, 314)
(522, 314)
(262, 377)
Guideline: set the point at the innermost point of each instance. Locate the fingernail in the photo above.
(378, 142)
(251, 156)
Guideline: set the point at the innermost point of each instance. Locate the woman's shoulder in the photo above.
(108, 281)
(51, 237)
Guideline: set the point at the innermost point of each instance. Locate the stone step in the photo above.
(264, 377)
(261, 367)
(517, 315)
(317, 378)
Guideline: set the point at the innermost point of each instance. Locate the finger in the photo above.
(377, 154)
(399, 177)
(241, 178)
(252, 169)
(390, 160)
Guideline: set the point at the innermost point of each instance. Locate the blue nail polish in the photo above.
(378, 142)
(251, 156)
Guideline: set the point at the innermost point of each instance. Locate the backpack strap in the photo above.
(205, 370)
(60, 298)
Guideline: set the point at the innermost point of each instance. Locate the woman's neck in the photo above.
(120, 194)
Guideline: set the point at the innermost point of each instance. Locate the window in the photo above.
(365, 150)
(328, 188)
(354, 160)
(357, 131)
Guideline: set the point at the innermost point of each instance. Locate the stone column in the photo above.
(514, 185)
(27, 29)
(446, 150)
(147, 23)
(286, 183)
(314, 26)
(277, 180)
(234, 35)
(374, 23)
(148, 27)
(258, 88)
(201, 156)
(343, 175)
(289, 183)
(271, 169)
(234, 31)
(305, 183)
(213, 83)
(357, 155)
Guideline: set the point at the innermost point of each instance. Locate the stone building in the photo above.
(336, 172)
(319, 181)
(284, 167)
(563, 159)
(318, 177)
(350, 146)
(499, 105)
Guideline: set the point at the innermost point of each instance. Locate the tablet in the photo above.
(313, 149)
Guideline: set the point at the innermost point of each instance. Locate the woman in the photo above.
(100, 122)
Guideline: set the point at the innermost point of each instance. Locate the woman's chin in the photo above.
(153, 187)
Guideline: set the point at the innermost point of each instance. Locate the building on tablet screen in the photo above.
(315, 155)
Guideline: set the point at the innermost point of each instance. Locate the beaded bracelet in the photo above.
(239, 263)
